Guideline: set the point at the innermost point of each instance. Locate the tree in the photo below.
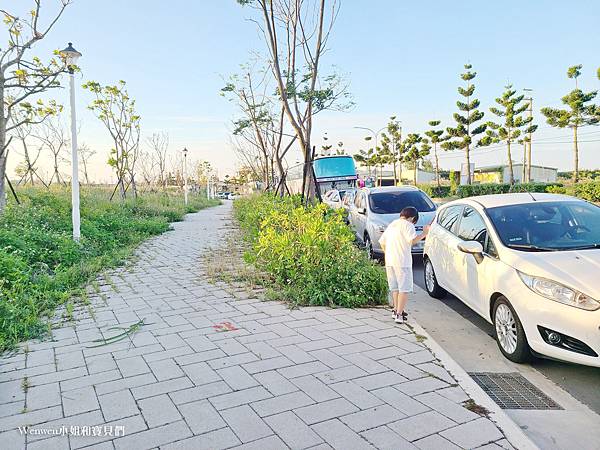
(296, 33)
(415, 149)
(579, 112)
(436, 136)
(391, 144)
(85, 154)
(513, 126)
(116, 110)
(23, 78)
(54, 137)
(461, 136)
(159, 146)
(366, 159)
(27, 170)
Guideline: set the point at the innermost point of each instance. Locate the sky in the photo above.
(401, 58)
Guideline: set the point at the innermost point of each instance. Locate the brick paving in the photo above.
(307, 378)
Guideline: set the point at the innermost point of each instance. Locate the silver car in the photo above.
(375, 208)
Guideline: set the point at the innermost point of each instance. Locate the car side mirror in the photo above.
(473, 248)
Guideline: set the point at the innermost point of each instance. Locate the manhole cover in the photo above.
(513, 391)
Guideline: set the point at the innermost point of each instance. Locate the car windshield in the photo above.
(548, 226)
(394, 202)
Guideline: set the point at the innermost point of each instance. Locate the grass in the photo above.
(41, 267)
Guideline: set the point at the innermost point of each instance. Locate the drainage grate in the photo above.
(513, 391)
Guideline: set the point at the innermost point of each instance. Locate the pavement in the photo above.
(213, 367)
(468, 339)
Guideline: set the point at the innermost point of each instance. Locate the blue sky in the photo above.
(402, 58)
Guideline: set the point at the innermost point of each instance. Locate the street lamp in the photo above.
(70, 57)
(185, 187)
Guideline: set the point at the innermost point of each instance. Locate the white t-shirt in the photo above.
(397, 239)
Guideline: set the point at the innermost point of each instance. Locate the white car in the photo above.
(375, 208)
(230, 196)
(333, 198)
(527, 263)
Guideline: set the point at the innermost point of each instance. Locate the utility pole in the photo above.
(530, 112)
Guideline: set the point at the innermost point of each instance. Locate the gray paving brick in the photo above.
(341, 374)
(200, 357)
(314, 388)
(275, 382)
(267, 364)
(330, 359)
(421, 425)
(169, 341)
(161, 387)
(118, 405)
(223, 438)
(383, 438)
(295, 433)
(12, 439)
(125, 383)
(228, 361)
(406, 370)
(231, 347)
(237, 378)
(53, 443)
(435, 442)
(80, 400)
(473, 434)
(265, 351)
(153, 437)
(201, 416)
(238, 398)
(365, 363)
(158, 410)
(165, 369)
(456, 412)
(372, 418)
(300, 370)
(200, 392)
(421, 386)
(100, 363)
(338, 435)
(70, 360)
(200, 343)
(380, 380)
(43, 396)
(30, 418)
(356, 394)
(325, 410)
(200, 373)
(9, 409)
(135, 365)
(267, 443)
(246, 424)
(400, 401)
(281, 403)
(40, 357)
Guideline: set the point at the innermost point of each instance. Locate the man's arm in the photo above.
(421, 236)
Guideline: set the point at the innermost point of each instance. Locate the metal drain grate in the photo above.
(513, 391)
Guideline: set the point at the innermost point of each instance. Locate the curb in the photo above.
(511, 430)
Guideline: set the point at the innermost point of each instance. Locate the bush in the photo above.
(435, 191)
(310, 252)
(454, 181)
(40, 265)
(503, 188)
(588, 191)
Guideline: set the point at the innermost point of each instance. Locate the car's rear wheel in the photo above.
(431, 284)
(509, 332)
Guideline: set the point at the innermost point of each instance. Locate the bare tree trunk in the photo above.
(437, 164)
(468, 155)
(2, 182)
(511, 172)
(3, 146)
(575, 155)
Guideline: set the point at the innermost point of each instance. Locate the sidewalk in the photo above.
(214, 370)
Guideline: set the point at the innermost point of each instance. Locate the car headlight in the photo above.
(559, 292)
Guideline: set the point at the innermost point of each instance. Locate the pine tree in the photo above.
(366, 159)
(436, 136)
(514, 124)
(466, 123)
(390, 143)
(579, 113)
(416, 147)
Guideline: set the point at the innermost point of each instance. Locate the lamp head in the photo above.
(70, 56)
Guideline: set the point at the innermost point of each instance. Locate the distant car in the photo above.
(375, 208)
(333, 198)
(527, 263)
(222, 195)
(231, 196)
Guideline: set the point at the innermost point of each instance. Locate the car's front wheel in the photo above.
(431, 284)
(509, 332)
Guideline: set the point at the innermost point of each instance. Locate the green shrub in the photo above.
(503, 188)
(588, 191)
(42, 267)
(435, 191)
(454, 181)
(310, 252)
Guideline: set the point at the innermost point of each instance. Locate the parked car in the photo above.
(348, 203)
(527, 263)
(231, 196)
(375, 208)
(222, 195)
(333, 198)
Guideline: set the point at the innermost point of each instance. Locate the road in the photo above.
(580, 381)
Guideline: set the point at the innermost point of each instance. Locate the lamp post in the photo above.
(529, 137)
(185, 186)
(375, 134)
(70, 57)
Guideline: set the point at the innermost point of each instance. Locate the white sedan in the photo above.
(527, 263)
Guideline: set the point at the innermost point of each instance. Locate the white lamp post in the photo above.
(185, 186)
(70, 57)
